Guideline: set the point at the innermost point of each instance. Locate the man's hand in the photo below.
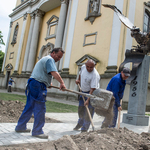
(62, 86)
(77, 82)
(87, 102)
(119, 108)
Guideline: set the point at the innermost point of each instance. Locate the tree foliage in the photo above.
(1, 39)
(1, 53)
(1, 59)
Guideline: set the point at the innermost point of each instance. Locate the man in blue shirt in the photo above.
(10, 84)
(36, 92)
(117, 86)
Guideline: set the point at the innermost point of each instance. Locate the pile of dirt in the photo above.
(10, 112)
(104, 139)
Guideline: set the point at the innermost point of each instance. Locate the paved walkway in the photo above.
(54, 130)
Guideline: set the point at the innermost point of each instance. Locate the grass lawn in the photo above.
(50, 106)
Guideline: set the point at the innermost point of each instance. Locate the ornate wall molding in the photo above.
(25, 16)
(49, 46)
(88, 35)
(9, 67)
(93, 10)
(39, 13)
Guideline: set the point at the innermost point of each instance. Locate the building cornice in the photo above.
(22, 6)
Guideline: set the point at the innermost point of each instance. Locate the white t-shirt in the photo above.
(89, 80)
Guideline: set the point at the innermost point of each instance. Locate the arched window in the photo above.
(14, 40)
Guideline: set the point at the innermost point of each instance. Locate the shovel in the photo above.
(99, 98)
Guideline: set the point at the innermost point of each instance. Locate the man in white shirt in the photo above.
(89, 79)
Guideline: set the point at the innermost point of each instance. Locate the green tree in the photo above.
(1, 39)
(1, 53)
(1, 59)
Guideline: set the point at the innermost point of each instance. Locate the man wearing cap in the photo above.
(117, 86)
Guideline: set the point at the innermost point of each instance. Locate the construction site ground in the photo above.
(59, 128)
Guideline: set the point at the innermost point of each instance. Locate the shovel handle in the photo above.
(119, 116)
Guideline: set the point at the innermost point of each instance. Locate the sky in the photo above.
(6, 8)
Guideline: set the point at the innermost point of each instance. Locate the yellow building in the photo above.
(83, 28)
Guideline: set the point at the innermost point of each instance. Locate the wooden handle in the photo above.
(66, 90)
(119, 116)
(87, 109)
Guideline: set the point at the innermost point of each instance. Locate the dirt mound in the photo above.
(104, 139)
(10, 112)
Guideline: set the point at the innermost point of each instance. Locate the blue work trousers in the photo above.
(115, 110)
(36, 97)
(84, 119)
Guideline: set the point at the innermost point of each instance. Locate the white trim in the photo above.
(131, 17)
(71, 33)
(20, 45)
(115, 36)
(65, 34)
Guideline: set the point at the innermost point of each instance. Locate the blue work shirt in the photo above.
(117, 86)
(10, 82)
(42, 70)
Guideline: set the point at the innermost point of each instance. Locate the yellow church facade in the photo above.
(83, 28)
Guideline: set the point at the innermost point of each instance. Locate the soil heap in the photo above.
(104, 139)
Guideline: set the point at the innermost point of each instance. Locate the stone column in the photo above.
(115, 40)
(20, 44)
(138, 96)
(70, 36)
(61, 23)
(34, 41)
(28, 44)
(8, 40)
(65, 34)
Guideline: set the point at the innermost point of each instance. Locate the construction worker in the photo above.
(36, 93)
(117, 86)
(10, 84)
(89, 79)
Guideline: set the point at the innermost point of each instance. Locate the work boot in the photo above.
(77, 127)
(41, 136)
(23, 131)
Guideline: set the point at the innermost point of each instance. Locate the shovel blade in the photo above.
(104, 94)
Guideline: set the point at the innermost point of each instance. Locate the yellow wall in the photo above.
(24, 43)
(82, 27)
(43, 32)
(14, 48)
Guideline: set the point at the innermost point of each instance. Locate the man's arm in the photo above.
(59, 79)
(116, 90)
(87, 101)
(78, 81)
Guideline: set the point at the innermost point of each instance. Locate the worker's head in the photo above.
(57, 54)
(125, 73)
(90, 64)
